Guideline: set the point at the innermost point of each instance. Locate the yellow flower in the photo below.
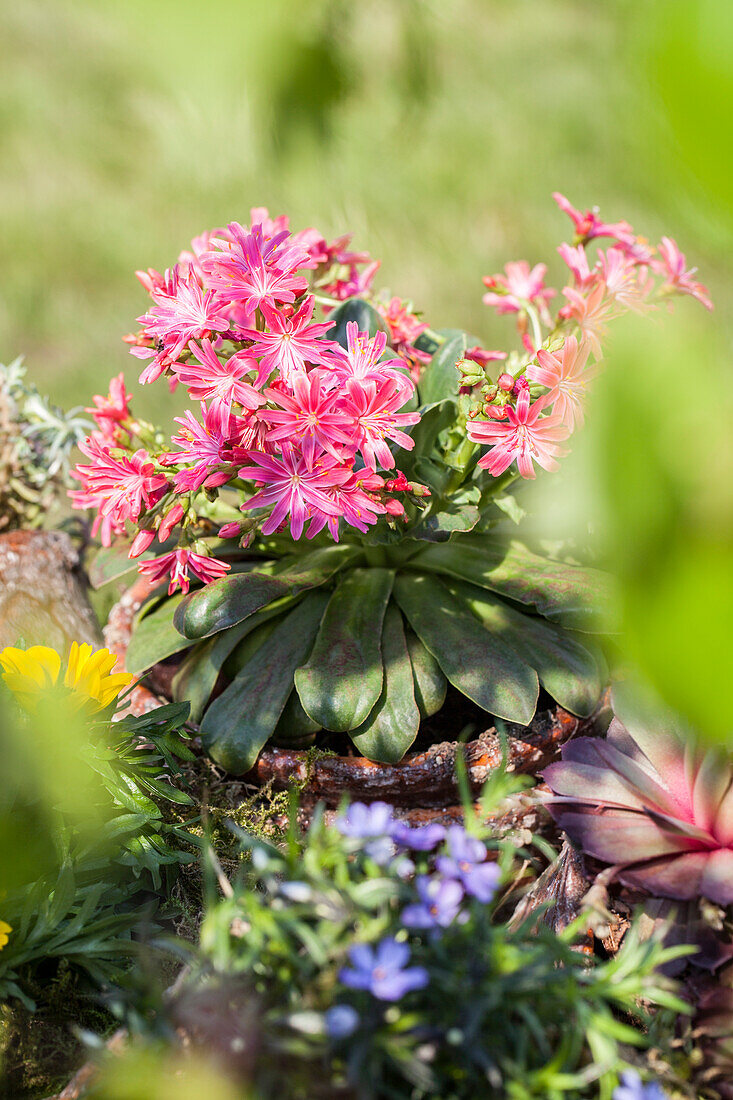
(87, 678)
(5, 930)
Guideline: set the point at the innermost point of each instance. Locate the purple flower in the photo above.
(373, 822)
(633, 1088)
(421, 839)
(383, 970)
(439, 905)
(341, 1021)
(466, 863)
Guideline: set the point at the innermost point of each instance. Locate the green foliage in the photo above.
(87, 848)
(510, 1010)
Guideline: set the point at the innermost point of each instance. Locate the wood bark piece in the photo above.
(43, 592)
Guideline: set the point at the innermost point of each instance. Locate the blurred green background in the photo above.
(435, 131)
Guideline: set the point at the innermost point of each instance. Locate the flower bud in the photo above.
(230, 531)
(173, 516)
(394, 507)
(140, 543)
(505, 382)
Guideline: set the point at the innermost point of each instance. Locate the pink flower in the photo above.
(178, 564)
(624, 278)
(214, 447)
(355, 284)
(589, 225)
(590, 312)
(221, 383)
(673, 267)
(652, 802)
(355, 504)
(112, 410)
(183, 312)
(361, 360)
(255, 270)
(565, 375)
(260, 215)
(577, 260)
(373, 405)
(311, 412)
(522, 435)
(483, 356)
(510, 293)
(125, 486)
(298, 483)
(290, 343)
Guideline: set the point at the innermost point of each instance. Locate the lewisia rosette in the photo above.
(651, 800)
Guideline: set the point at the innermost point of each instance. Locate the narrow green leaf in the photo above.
(343, 678)
(567, 669)
(198, 674)
(481, 666)
(239, 723)
(440, 378)
(576, 596)
(430, 683)
(155, 637)
(112, 562)
(434, 418)
(392, 725)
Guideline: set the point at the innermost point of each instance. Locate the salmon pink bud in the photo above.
(230, 531)
(505, 382)
(394, 507)
(173, 516)
(140, 543)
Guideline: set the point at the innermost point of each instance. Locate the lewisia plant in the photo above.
(333, 517)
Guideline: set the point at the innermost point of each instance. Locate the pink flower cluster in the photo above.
(297, 424)
(538, 402)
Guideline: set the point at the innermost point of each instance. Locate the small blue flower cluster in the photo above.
(460, 870)
(633, 1088)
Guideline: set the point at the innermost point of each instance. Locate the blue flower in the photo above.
(421, 839)
(439, 905)
(341, 1021)
(633, 1088)
(383, 970)
(374, 823)
(466, 864)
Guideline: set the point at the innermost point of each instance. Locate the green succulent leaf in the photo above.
(343, 678)
(155, 637)
(456, 517)
(481, 666)
(226, 602)
(440, 378)
(229, 600)
(359, 310)
(567, 669)
(430, 682)
(295, 726)
(239, 723)
(392, 725)
(199, 672)
(576, 596)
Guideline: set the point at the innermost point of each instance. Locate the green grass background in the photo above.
(435, 130)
